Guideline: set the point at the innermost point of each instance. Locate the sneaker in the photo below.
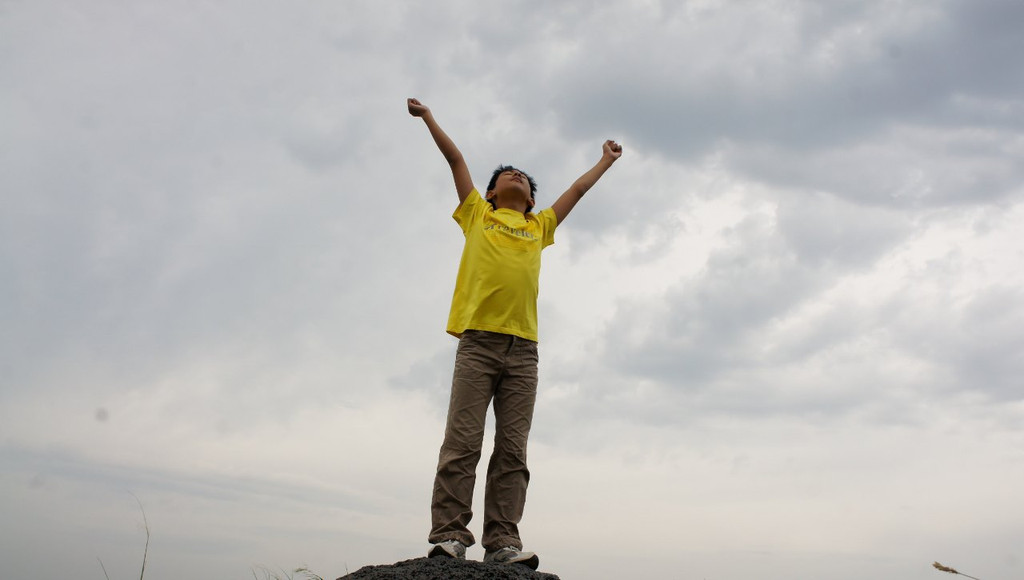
(510, 555)
(448, 549)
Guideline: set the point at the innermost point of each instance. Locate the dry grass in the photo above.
(296, 574)
(305, 574)
(938, 566)
(145, 551)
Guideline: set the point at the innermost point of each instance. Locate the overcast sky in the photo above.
(782, 338)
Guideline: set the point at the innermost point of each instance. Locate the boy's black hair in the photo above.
(502, 169)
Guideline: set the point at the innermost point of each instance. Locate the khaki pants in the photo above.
(503, 367)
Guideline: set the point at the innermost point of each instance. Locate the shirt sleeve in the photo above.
(470, 210)
(548, 222)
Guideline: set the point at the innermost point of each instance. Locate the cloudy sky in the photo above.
(782, 338)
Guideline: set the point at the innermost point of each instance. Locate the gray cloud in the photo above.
(810, 95)
(976, 343)
(826, 231)
(906, 169)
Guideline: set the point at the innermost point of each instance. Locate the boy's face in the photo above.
(511, 186)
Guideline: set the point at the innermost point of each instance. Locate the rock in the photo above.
(447, 569)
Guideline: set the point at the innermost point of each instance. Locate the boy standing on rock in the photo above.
(494, 315)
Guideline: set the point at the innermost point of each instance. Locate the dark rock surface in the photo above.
(447, 569)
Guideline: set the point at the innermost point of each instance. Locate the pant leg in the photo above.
(477, 369)
(507, 473)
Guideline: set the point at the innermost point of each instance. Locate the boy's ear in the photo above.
(489, 194)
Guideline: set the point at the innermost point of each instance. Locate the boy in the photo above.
(494, 315)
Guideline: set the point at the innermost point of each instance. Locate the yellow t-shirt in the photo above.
(496, 289)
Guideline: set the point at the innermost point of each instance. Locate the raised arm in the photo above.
(610, 152)
(460, 171)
